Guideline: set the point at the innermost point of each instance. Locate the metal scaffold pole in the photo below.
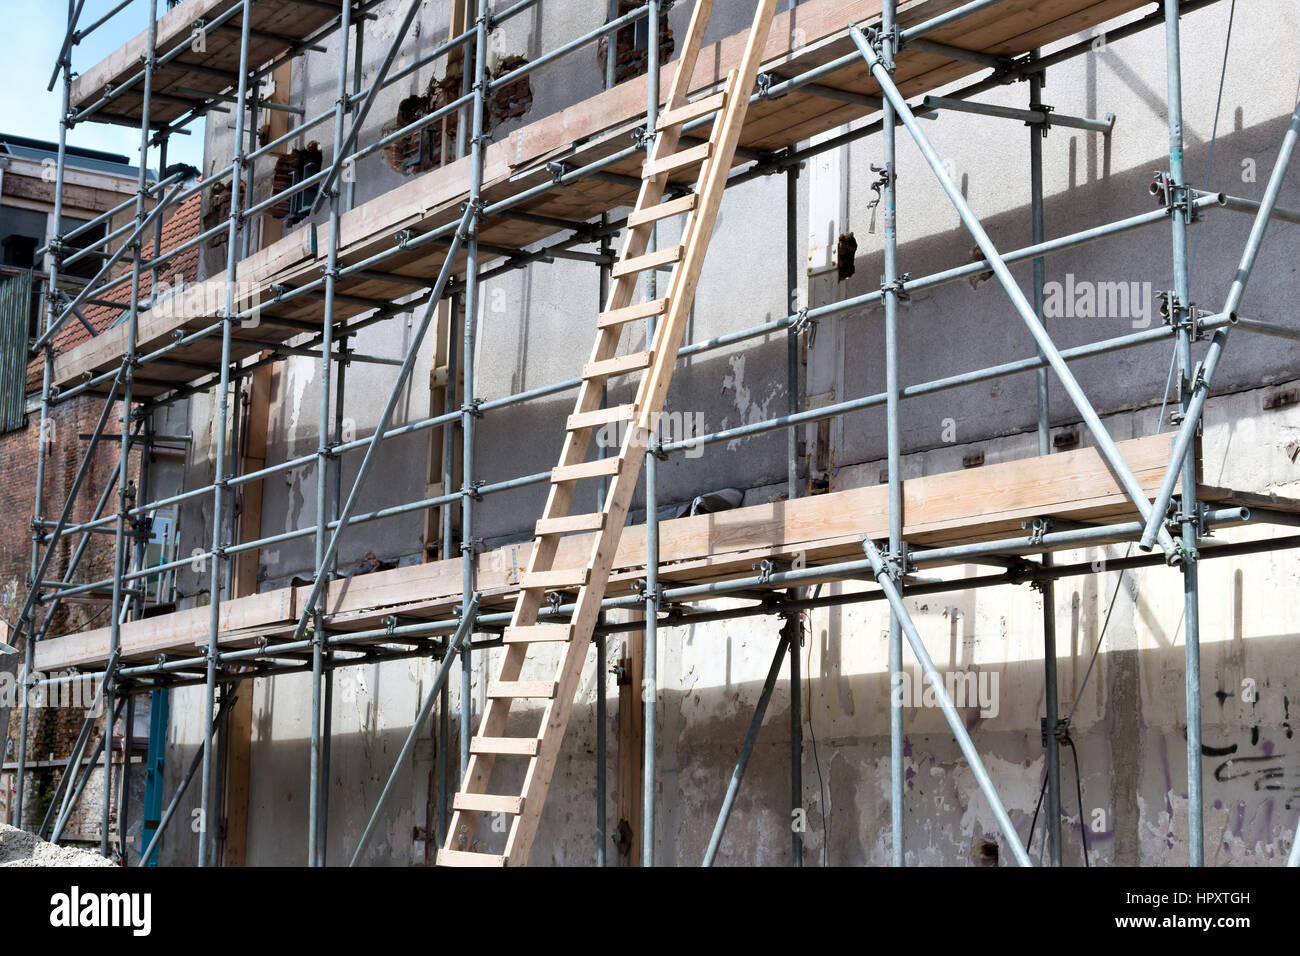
(886, 573)
(599, 638)
(1051, 744)
(649, 689)
(469, 406)
(45, 436)
(1105, 443)
(798, 815)
(890, 288)
(124, 499)
(524, 195)
(1189, 518)
(220, 492)
(325, 455)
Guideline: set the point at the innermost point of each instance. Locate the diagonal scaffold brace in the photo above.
(885, 577)
(1201, 390)
(1105, 444)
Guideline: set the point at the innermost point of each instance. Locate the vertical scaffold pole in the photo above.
(1180, 316)
(890, 285)
(44, 438)
(600, 638)
(124, 501)
(1051, 745)
(650, 678)
(219, 487)
(469, 408)
(797, 816)
(324, 454)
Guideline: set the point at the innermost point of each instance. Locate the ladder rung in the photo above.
(679, 160)
(690, 111)
(507, 746)
(553, 580)
(487, 803)
(631, 313)
(538, 634)
(571, 523)
(463, 858)
(600, 468)
(544, 689)
(651, 260)
(601, 416)
(664, 210)
(621, 365)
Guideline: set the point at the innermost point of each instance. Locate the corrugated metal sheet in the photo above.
(15, 307)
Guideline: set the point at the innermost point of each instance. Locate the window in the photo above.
(22, 232)
(291, 169)
(87, 267)
(414, 152)
(308, 165)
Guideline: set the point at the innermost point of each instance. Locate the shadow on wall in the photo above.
(1133, 768)
(980, 327)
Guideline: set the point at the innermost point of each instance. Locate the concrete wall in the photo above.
(1128, 727)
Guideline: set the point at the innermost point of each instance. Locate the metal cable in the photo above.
(1214, 131)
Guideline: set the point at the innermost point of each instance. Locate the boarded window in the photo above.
(15, 307)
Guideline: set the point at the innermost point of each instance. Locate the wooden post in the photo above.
(442, 399)
(631, 744)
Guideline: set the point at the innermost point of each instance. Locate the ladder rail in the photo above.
(701, 217)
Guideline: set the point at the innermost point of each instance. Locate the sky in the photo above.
(36, 29)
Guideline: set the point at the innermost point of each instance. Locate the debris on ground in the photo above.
(20, 848)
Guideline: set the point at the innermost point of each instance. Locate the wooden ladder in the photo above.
(654, 365)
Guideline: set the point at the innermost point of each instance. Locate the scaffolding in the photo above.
(469, 227)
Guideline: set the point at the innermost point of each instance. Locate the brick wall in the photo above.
(52, 730)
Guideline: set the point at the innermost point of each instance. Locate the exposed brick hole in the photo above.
(424, 149)
(846, 253)
(291, 169)
(631, 49)
(218, 211)
(986, 853)
(513, 99)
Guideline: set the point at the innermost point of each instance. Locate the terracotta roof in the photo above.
(182, 225)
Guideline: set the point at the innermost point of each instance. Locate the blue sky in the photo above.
(27, 109)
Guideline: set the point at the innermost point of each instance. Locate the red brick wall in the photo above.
(18, 453)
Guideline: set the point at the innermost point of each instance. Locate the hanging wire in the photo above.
(1214, 132)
